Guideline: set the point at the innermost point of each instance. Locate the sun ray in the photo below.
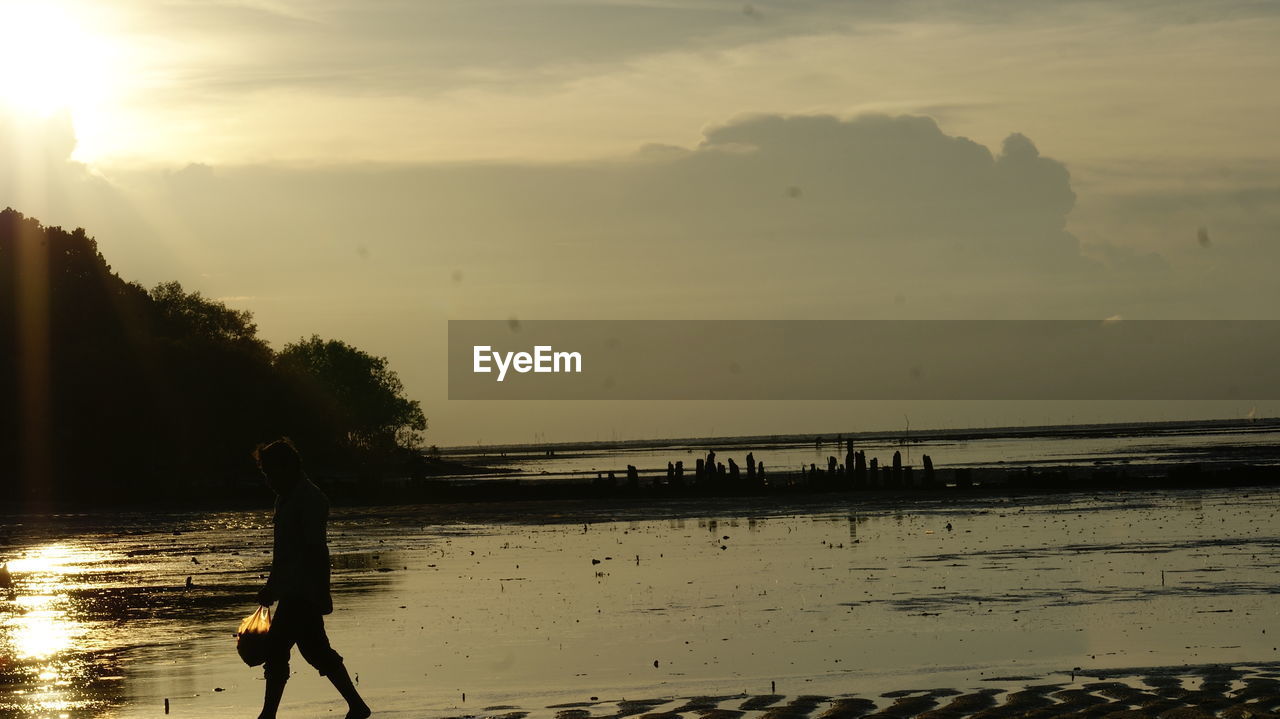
(52, 61)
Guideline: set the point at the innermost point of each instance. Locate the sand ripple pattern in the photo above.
(1237, 692)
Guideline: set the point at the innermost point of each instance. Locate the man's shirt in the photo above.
(300, 560)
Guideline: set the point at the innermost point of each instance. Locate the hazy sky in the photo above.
(368, 170)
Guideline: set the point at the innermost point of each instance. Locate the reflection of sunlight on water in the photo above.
(53, 561)
(37, 630)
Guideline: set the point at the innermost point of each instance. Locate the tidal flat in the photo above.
(837, 606)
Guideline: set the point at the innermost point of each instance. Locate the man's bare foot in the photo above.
(361, 712)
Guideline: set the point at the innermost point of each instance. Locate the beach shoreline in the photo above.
(540, 605)
(546, 495)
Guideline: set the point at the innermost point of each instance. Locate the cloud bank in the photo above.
(767, 216)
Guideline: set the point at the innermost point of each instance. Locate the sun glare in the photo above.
(40, 627)
(51, 60)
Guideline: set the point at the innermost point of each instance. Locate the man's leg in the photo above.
(274, 693)
(276, 669)
(356, 708)
(315, 648)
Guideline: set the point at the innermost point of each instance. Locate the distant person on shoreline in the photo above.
(299, 580)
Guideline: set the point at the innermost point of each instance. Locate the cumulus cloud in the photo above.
(912, 208)
(758, 198)
(876, 181)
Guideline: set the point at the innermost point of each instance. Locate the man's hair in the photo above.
(278, 457)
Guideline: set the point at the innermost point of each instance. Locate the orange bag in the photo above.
(251, 639)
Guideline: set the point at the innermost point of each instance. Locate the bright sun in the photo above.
(51, 61)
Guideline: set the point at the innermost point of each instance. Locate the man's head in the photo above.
(280, 464)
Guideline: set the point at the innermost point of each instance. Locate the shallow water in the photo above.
(1255, 444)
(725, 597)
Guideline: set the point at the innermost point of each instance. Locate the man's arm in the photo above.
(281, 523)
(268, 595)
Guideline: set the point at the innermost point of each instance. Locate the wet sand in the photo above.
(870, 605)
(1164, 693)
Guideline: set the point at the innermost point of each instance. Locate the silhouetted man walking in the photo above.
(299, 580)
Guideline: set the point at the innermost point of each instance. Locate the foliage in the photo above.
(109, 392)
(358, 394)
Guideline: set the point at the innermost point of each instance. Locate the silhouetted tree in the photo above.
(182, 314)
(71, 336)
(216, 379)
(112, 393)
(358, 396)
